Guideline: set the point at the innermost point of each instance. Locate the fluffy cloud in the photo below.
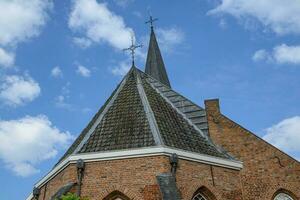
(260, 55)
(18, 90)
(61, 100)
(19, 21)
(56, 72)
(83, 71)
(28, 141)
(281, 54)
(123, 3)
(6, 59)
(285, 135)
(82, 42)
(98, 24)
(169, 37)
(122, 68)
(287, 54)
(283, 17)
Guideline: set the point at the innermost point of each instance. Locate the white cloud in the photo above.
(18, 90)
(56, 72)
(60, 101)
(281, 54)
(285, 135)
(123, 3)
(282, 17)
(122, 68)
(287, 54)
(19, 21)
(28, 141)
(98, 24)
(82, 42)
(6, 59)
(168, 38)
(83, 71)
(260, 55)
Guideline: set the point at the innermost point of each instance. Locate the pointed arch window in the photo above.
(199, 196)
(203, 193)
(283, 196)
(116, 195)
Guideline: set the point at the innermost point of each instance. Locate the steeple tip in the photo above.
(155, 66)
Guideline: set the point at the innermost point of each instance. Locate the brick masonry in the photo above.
(136, 178)
(266, 168)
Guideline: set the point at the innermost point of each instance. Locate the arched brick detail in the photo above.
(282, 190)
(116, 194)
(110, 190)
(206, 193)
(195, 187)
(285, 188)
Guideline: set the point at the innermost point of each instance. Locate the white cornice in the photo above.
(137, 153)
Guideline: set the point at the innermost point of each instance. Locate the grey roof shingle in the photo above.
(126, 125)
(175, 130)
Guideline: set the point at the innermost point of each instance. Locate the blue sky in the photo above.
(60, 61)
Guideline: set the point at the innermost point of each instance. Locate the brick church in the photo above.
(148, 142)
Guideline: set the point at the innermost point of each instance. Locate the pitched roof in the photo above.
(155, 66)
(142, 112)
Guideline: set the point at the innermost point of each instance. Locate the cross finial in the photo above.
(132, 48)
(150, 21)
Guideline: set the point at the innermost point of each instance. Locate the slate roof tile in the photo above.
(125, 124)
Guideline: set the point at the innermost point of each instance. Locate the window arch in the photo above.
(203, 194)
(199, 196)
(283, 196)
(116, 195)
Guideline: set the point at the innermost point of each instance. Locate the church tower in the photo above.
(148, 142)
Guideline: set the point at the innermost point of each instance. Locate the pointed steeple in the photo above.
(155, 65)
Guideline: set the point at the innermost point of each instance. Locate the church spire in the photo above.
(155, 65)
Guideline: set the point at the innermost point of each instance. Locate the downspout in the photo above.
(174, 163)
(80, 172)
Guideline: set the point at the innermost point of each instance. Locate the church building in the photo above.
(148, 142)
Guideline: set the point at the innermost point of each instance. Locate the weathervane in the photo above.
(151, 20)
(132, 48)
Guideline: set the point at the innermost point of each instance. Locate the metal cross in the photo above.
(132, 49)
(151, 20)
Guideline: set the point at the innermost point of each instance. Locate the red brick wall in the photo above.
(136, 178)
(223, 183)
(266, 169)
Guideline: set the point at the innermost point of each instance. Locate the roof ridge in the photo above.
(149, 113)
(206, 137)
(149, 76)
